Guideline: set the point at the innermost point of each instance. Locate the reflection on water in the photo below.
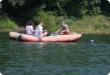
(80, 58)
(35, 45)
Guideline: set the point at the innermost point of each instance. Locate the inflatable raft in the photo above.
(53, 38)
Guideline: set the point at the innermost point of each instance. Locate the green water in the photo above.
(79, 58)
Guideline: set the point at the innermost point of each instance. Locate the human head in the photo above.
(62, 23)
(30, 23)
(41, 23)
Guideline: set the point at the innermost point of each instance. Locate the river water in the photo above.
(69, 58)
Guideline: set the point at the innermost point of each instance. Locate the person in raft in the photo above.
(29, 28)
(39, 32)
(64, 29)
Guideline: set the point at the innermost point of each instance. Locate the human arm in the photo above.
(32, 30)
(58, 31)
(44, 30)
(67, 28)
(40, 32)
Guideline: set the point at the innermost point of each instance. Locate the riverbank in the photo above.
(91, 25)
(18, 29)
(88, 25)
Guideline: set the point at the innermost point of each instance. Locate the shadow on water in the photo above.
(79, 58)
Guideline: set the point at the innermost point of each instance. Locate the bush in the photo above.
(48, 19)
(7, 24)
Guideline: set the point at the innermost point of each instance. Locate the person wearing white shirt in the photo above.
(29, 28)
(39, 32)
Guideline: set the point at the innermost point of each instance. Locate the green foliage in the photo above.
(90, 24)
(16, 2)
(48, 19)
(51, 11)
(6, 23)
(0, 5)
(71, 8)
(94, 7)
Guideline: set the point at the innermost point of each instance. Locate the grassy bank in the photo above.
(91, 24)
(7, 25)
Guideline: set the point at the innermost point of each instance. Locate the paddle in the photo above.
(56, 33)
